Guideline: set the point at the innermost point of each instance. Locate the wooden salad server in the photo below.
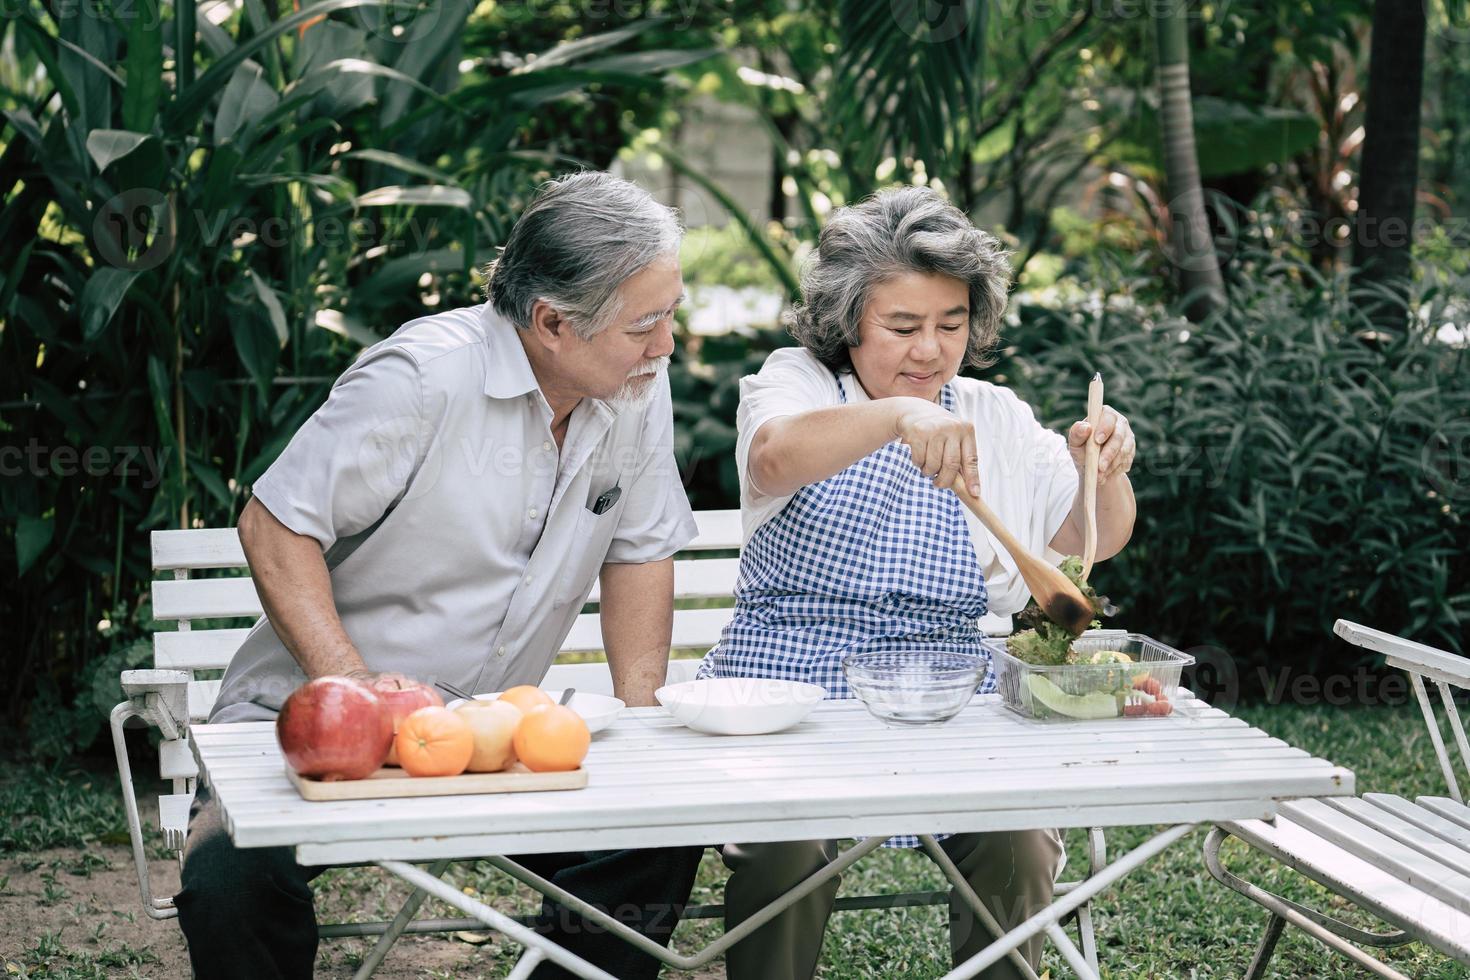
(1062, 601)
(1089, 472)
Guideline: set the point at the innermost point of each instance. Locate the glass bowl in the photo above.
(904, 688)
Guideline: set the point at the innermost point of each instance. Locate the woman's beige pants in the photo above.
(1013, 873)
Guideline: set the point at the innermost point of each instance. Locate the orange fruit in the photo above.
(552, 739)
(526, 697)
(434, 741)
(493, 724)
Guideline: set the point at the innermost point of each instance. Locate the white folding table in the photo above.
(839, 774)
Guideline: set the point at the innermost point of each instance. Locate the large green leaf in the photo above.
(255, 342)
(569, 51)
(908, 79)
(107, 146)
(399, 162)
(182, 115)
(144, 65)
(32, 536)
(429, 49)
(271, 303)
(104, 291)
(247, 98)
(433, 195)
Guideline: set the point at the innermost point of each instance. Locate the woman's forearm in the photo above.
(793, 451)
(1116, 511)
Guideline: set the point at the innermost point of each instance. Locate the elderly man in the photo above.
(443, 516)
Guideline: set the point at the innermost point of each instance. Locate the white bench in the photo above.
(208, 611)
(1405, 861)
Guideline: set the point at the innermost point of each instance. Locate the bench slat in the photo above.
(1405, 863)
(212, 649)
(220, 598)
(196, 649)
(205, 598)
(692, 628)
(209, 547)
(1405, 832)
(202, 695)
(219, 547)
(176, 759)
(1425, 819)
(700, 578)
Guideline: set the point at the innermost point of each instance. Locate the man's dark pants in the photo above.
(248, 913)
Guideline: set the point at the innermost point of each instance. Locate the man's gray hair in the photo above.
(895, 231)
(581, 237)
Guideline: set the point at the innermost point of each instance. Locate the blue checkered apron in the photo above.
(873, 558)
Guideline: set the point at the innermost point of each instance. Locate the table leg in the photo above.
(390, 935)
(714, 949)
(1049, 918)
(952, 872)
(538, 947)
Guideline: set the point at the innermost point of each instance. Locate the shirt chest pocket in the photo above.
(592, 534)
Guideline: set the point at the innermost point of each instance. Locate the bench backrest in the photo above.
(206, 609)
(1424, 663)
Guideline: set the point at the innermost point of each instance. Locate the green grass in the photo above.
(1168, 920)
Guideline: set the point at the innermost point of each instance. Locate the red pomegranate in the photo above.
(334, 728)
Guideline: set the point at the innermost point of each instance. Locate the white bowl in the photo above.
(740, 705)
(597, 710)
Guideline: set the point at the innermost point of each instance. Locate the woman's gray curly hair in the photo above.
(899, 230)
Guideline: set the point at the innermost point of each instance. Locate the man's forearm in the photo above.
(637, 624)
(296, 592)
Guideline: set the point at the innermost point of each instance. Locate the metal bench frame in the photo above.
(169, 697)
(1422, 663)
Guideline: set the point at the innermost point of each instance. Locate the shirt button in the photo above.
(530, 579)
(500, 652)
(546, 447)
(531, 513)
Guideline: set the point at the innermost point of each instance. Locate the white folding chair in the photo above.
(1407, 862)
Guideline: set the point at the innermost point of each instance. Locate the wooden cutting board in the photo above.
(390, 782)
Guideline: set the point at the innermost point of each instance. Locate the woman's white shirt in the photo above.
(1026, 474)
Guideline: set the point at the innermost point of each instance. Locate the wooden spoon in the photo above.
(1089, 472)
(1062, 601)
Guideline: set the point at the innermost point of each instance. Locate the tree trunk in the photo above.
(1383, 238)
(1190, 240)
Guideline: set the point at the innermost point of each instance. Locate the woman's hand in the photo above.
(943, 445)
(1115, 438)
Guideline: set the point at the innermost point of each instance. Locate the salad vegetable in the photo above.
(1044, 642)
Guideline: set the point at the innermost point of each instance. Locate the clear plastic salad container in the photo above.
(1121, 675)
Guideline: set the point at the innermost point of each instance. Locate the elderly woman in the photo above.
(848, 447)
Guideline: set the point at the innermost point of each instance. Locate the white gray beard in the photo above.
(637, 391)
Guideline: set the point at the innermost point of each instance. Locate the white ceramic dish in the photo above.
(597, 710)
(740, 705)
